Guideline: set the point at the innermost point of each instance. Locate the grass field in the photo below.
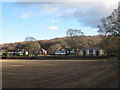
(59, 74)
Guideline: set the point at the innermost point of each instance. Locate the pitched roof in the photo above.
(68, 49)
(59, 49)
(91, 48)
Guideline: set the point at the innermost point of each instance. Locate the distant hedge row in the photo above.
(55, 57)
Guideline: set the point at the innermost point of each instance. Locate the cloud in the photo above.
(26, 15)
(86, 13)
(49, 20)
(53, 27)
(52, 21)
(46, 8)
(90, 15)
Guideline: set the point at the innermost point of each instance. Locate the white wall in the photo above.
(88, 52)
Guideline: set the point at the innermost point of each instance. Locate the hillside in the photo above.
(87, 41)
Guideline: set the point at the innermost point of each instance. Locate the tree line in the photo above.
(49, 45)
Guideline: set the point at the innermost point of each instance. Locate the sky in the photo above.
(47, 20)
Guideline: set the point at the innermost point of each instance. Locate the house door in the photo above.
(84, 53)
(97, 53)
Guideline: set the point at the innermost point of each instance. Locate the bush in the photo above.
(7, 54)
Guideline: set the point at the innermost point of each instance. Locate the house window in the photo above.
(101, 52)
(90, 52)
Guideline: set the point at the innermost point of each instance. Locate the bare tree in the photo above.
(111, 24)
(32, 47)
(110, 30)
(73, 38)
(30, 39)
(74, 32)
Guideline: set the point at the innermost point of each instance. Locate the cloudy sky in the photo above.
(47, 20)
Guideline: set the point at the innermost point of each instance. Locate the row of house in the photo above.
(92, 51)
(24, 53)
(15, 53)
